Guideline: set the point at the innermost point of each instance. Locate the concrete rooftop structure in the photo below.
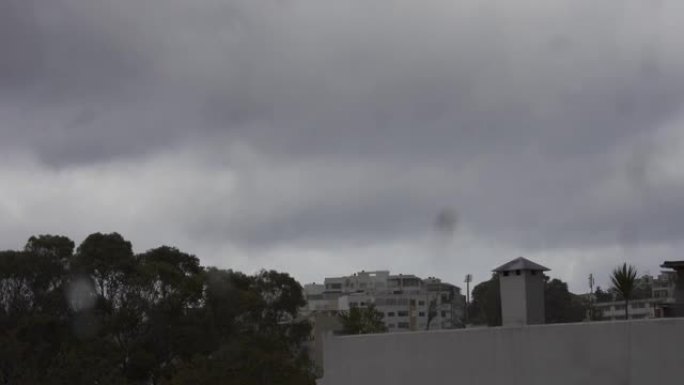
(521, 283)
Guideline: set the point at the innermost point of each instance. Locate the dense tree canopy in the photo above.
(104, 315)
(485, 307)
(560, 305)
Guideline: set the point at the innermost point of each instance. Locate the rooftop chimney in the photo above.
(521, 283)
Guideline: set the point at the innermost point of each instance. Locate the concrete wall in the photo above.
(534, 285)
(323, 325)
(513, 299)
(679, 294)
(602, 353)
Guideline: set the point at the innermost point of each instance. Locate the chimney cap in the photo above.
(520, 263)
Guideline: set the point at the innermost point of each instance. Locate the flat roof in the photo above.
(673, 265)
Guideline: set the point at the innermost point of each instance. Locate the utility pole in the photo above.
(591, 297)
(468, 279)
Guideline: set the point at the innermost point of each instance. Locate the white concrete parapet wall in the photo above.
(603, 353)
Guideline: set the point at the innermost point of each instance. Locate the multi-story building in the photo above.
(406, 302)
(675, 306)
(661, 290)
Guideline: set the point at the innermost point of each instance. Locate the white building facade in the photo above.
(662, 294)
(407, 302)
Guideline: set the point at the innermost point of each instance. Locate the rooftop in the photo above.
(520, 263)
(673, 265)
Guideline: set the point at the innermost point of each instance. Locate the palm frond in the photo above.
(623, 279)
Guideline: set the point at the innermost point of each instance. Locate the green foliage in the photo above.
(59, 247)
(362, 321)
(103, 315)
(602, 295)
(560, 305)
(485, 307)
(624, 282)
(433, 308)
(643, 288)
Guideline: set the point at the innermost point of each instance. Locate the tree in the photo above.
(433, 308)
(560, 305)
(108, 260)
(106, 316)
(57, 246)
(258, 339)
(602, 295)
(282, 296)
(485, 307)
(623, 279)
(362, 321)
(643, 287)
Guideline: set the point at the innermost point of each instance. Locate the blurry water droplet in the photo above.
(81, 294)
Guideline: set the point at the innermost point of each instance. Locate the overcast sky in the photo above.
(323, 137)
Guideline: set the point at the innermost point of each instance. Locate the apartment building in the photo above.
(406, 301)
(662, 290)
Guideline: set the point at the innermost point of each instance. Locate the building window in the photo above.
(517, 272)
(353, 304)
(403, 325)
(390, 314)
(421, 314)
(391, 326)
(505, 273)
(335, 285)
(402, 313)
(533, 272)
(413, 302)
(421, 303)
(444, 314)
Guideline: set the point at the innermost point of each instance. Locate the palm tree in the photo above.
(624, 281)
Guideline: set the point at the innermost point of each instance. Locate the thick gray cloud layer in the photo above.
(325, 136)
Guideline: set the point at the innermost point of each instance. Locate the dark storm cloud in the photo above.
(53, 50)
(543, 125)
(318, 79)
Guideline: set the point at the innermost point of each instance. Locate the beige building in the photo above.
(662, 290)
(407, 302)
